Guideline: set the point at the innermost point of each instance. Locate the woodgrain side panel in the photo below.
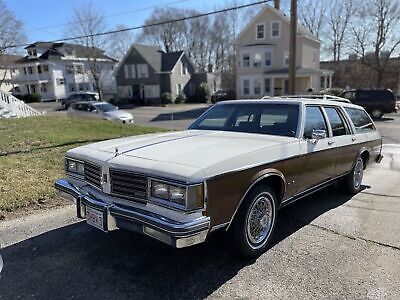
(301, 172)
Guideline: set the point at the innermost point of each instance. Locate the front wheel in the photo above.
(377, 113)
(354, 178)
(253, 226)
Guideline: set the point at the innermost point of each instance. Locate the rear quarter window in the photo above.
(361, 120)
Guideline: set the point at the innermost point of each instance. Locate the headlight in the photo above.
(188, 198)
(74, 166)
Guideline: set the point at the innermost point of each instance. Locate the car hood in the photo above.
(118, 114)
(187, 154)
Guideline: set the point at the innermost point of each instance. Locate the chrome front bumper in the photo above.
(174, 233)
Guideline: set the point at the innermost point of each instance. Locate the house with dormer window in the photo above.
(57, 70)
(262, 58)
(146, 72)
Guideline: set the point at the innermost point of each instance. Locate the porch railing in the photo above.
(12, 107)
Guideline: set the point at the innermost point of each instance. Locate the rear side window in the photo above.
(314, 120)
(361, 120)
(336, 121)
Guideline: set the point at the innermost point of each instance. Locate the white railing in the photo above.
(12, 107)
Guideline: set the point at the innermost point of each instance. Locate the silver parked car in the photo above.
(99, 110)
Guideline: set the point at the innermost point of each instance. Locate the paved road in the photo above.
(328, 245)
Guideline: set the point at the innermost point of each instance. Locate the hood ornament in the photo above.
(116, 153)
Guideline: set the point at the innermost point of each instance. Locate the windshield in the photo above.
(105, 107)
(262, 118)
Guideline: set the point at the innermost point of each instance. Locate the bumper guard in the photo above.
(114, 216)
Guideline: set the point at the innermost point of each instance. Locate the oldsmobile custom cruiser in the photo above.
(233, 169)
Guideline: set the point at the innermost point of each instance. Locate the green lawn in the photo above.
(27, 177)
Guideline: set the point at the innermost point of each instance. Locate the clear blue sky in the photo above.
(52, 13)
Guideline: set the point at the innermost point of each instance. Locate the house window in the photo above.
(45, 68)
(60, 81)
(178, 89)
(257, 60)
(142, 71)
(30, 70)
(39, 69)
(276, 29)
(246, 60)
(257, 86)
(268, 59)
(152, 91)
(267, 86)
(260, 31)
(130, 71)
(246, 87)
(183, 69)
(133, 71)
(43, 88)
(126, 71)
(285, 58)
(25, 72)
(315, 53)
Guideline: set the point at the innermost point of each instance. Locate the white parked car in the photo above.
(100, 110)
(236, 166)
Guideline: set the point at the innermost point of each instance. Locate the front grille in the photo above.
(93, 174)
(128, 185)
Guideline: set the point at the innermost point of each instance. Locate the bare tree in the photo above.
(86, 21)
(339, 18)
(168, 37)
(376, 35)
(312, 14)
(11, 33)
(120, 42)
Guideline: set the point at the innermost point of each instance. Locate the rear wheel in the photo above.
(353, 180)
(253, 226)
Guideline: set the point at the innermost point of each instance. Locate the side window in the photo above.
(362, 122)
(336, 121)
(349, 95)
(364, 96)
(314, 120)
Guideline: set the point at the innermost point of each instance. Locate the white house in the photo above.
(55, 70)
(262, 57)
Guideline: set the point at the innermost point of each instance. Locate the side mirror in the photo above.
(318, 134)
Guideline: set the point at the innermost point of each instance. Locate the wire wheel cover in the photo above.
(259, 220)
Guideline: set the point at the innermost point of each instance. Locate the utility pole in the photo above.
(292, 47)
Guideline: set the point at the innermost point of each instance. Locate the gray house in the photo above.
(146, 72)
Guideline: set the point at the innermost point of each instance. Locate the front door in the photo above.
(318, 159)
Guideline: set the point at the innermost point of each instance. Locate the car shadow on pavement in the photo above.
(181, 115)
(78, 261)
(383, 119)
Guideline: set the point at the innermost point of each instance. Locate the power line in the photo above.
(107, 16)
(148, 25)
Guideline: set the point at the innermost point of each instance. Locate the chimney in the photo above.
(277, 4)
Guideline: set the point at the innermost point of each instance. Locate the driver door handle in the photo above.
(330, 143)
(354, 139)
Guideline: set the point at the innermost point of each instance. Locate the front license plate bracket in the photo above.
(96, 218)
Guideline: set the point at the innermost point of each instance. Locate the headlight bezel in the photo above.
(194, 200)
(79, 167)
